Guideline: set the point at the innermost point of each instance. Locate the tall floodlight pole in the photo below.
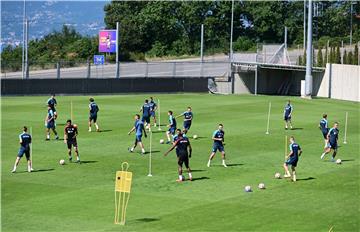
(231, 33)
(26, 49)
(309, 54)
(304, 43)
(23, 43)
(117, 51)
(351, 16)
(202, 43)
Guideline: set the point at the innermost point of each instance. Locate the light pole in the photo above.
(351, 18)
(309, 54)
(304, 42)
(231, 33)
(23, 43)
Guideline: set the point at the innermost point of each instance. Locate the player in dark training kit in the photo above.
(292, 158)
(183, 153)
(188, 117)
(146, 112)
(93, 110)
(52, 103)
(287, 115)
(218, 137)
(332, 138)
(323, 126)
(153, 108)
(25, 141)
(171, 126)
(50, 123)
(139, 129)
(70, 134)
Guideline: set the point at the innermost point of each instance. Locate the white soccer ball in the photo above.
(277, 175)
(247, 188)
(161, 141)
(62, 162)
(195, 136)
(261, 186)
(338, 161)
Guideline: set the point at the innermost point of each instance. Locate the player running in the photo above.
(94, 109)
(332, 138)
(287, 115)
(172, 126)
(153, 108)
(52, 103)
(146, 112)
(25, 141)
(70, 134)
(188, 117)
(139, 127)
(182, 145)
(292, 158)
(218, 137)
(50, 124)
(323, 126)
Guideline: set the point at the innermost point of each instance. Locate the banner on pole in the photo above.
(107, 41)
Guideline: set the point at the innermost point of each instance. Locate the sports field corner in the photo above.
(80, 197)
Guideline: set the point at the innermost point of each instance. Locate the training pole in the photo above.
(346, 119)
(71, 110)
(286, 147)
(31, 147)
(268, 119)
(150, 154)
(159, 115)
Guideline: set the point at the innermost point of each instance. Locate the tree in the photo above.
(356, 55)
(345, 57)
(304, 58)
(350, 58)
(300, 60)
(338, 55)
(320, 61)
(332, 55)
(326, 55)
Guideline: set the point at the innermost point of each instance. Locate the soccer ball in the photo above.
(277, 175)
(338, 161)
(247, 188)
(161, 141)
(62, 162)
(75, 125)
(261, 186)
(195, 136)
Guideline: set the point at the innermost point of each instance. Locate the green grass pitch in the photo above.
(81, 197)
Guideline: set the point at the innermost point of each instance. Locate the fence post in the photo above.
(88, 68)
(58, 70)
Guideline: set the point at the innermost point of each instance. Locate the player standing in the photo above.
(25, 141)
(139, 127)
(332, 138)
(70, 134)
(323, 126)
(218, 137)
(287, 114)
(52, 103)
(153, 108)
(182, 145)
(50, 123)
(292, 158)
(94, 109)
(146, 112)
(172, 126)
(188, 116)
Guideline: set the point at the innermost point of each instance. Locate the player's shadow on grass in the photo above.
(147, 152)
(148, 219)
(200, 178)
(308, 178)
(88, 161)
(233, 165)
(197, 170)
(200, 137)
(38, 170)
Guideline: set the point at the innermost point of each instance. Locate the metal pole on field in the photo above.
(31, 147)
(309, 54)
(268, 119)
(351, 16)
(232, 29)
(202, 44)
(150, 154)
(117, 51)
(26, 48)
(159, 115)
(304, 42)
(346, 120)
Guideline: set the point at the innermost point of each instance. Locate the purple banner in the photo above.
(107, 41)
